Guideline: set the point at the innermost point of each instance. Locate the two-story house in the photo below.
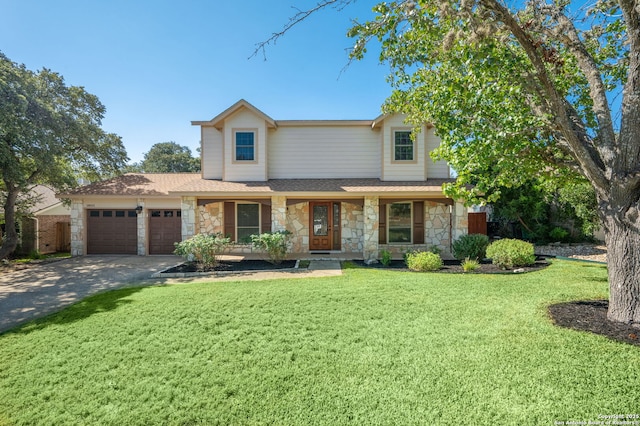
(339, 186)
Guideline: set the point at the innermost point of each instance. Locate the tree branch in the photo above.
(566, 116)
(299, 17)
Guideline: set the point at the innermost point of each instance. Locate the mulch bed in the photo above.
(453, 266)
(240, 266)
(591, 316)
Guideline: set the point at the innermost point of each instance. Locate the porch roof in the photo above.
(192, 184)
(296, 187)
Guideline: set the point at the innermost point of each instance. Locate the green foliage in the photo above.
(470, 265)
(385, 257)
(168, 157)
(204, 249)
(558, 234)
(49, 134)
(471, 246)
(424, 261)
(508, 253)
(275, 244)
(579, 200)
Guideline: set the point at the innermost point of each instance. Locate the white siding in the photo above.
(323, 152)
(439, 169)
(212, 160)
(245, 171)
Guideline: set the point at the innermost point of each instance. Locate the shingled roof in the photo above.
(192, 184)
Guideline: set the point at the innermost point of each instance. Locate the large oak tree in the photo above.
(49, 134)
(523, 89)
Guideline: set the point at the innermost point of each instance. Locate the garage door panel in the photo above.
(165, 229)
(112, 232)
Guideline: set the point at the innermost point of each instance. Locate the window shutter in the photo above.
(265, 215)
(418, 222)
(382, 223)
(230, 220)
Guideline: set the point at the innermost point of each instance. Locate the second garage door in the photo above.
(165, 229)
(112, 232)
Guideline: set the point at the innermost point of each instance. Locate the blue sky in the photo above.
(157, 65)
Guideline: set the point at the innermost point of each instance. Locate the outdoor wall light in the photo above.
(139, 209)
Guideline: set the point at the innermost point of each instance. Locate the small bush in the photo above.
(385, 257)
(423, 261)
(472, 246)
(508, 253)
(470, 265)
(276, 244)
(203, 249)
(558, 234)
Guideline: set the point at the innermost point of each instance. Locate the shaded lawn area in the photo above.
(368, 347)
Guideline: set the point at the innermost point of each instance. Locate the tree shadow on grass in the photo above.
(103, 302)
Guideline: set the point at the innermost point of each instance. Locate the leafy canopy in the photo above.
(168, 157)
(470, 68)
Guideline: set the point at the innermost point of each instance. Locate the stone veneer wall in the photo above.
(352, 231)
(77, 228)
(297, 222)
(210, 218)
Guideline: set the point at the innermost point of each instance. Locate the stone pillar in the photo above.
(371, 228)
(142, 229)
(278, 213)
(77, 228)
(460, 220)
(189, 209)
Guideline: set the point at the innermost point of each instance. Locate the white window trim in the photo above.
(389, 224)
(255, 146)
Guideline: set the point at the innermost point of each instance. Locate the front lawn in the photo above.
(369, 347)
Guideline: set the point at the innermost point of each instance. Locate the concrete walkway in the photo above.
(46, 288)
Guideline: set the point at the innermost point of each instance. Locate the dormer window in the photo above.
(244, 142)
(403, 146)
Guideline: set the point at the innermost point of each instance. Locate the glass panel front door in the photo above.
(320, 220)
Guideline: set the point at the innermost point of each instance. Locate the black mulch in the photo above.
(453, 266)
(243, 265)
(591, 316)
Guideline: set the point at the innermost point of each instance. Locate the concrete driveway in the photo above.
(46, 288)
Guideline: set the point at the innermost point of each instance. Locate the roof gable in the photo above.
(218, 120)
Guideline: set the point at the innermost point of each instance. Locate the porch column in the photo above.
(189, 207)
(371, 226)
(460, 220)
(77, 228)
(142, 229)
(278, 213)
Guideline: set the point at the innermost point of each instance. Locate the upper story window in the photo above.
(403, 146)
(245, 146)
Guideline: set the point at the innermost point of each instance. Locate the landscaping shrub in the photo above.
(470, 265)
(203, 249)
(423, 261)
(558, 234)
(508, 253)
(385, 257)
(275, 244)
(472, 246)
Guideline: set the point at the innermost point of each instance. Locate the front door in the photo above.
(324, 225)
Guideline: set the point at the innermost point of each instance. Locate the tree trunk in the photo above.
(623, 261)
(10, 241)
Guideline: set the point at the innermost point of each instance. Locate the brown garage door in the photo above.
(165, 229)
(112, 232)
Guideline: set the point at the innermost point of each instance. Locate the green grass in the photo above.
(369, 347)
